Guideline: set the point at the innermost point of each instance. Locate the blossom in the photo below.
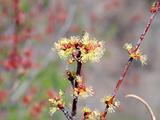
(135, 54)
(57, 103)
(81, 90)
(155, 7)
(111, 103)
(66, 46)
(90, 49)
(90, 115)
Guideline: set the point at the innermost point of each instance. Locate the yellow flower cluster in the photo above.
(111, 103)
(90, 48)
(137, 55)
(57, 103)
(90, 115)
(81, 90)
(65, 46)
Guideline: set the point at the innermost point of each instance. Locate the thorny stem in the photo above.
(124, 72)
(145, 103)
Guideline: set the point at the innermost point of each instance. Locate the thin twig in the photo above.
(123, 74)
(144, 102)
(141, 38)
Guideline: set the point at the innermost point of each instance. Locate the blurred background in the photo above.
(30, 72)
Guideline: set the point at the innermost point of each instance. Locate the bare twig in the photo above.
(144, 102)
(123, 74)
(141, 38)
(145, 31)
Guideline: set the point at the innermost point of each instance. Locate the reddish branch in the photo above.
(145, 31)
(122, 76)
(125, 70)
(136, 48)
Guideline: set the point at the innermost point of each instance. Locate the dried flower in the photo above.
(57, 103)
(90, 115)
(135, 54)
(90, 48)
(111, 103)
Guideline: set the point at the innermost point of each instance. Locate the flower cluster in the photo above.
(57, 103)
(111, 103)
(155, 7)
(81, 90)
(137, 55)
(89, 114)
(89, 48)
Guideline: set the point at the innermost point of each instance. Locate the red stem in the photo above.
(141, 38)
(122, 76)
(145, 31)
(124, 72)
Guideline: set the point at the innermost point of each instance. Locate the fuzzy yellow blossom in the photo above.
(90, 115)
(65, 47)
(137, 55)
(57, 103)
(81, 90)
(111, 103)
(90, 48)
